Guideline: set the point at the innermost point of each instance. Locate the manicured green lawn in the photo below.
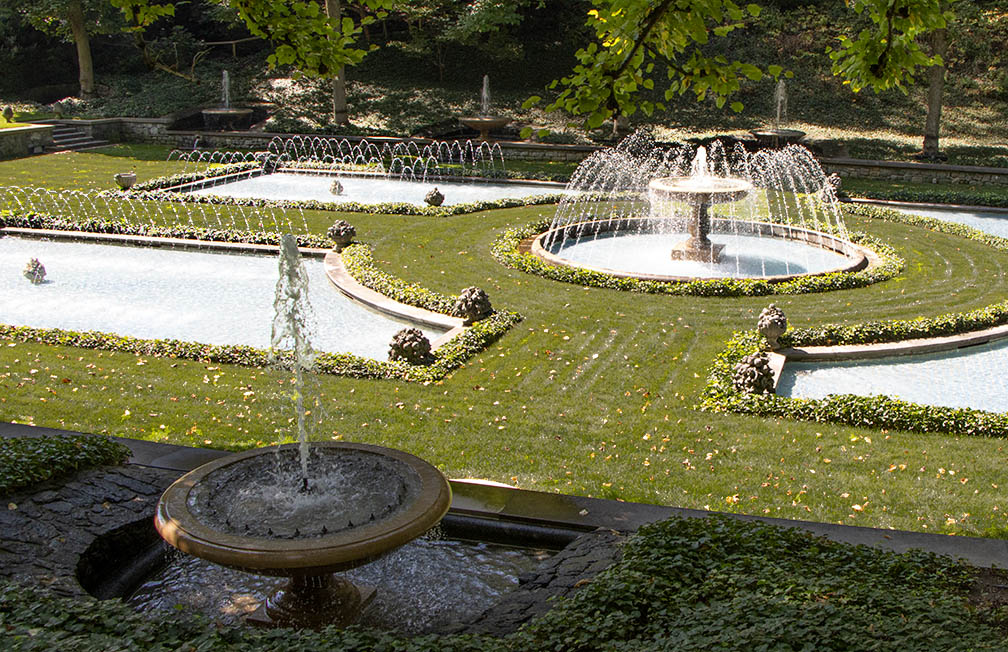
(591, 394)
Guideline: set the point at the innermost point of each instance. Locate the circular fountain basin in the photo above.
(245, 511)
(699, 189)
(639, 248)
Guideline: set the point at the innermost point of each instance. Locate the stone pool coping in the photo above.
(355, 291)
(886, 349)
(493, 502)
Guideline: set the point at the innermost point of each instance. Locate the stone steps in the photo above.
(67, 138)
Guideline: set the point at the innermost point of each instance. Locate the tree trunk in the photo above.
(936, 85)
(85, 66)
(334, 11)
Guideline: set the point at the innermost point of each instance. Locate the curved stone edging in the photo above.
(354, 290)
(886, 349)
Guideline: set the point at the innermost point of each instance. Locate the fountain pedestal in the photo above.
(699, 192)
(698, 246)
(313, 602)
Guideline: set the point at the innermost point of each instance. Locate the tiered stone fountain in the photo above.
(306, 510)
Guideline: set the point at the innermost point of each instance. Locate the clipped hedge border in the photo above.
(159, 183)
(33, 220)
(878, 412)
(448, 357)
(505, 250)
(886, 214)
(26, 461)
(942, 196)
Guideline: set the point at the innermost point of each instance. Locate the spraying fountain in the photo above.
(778, 136)
(226, 117)
(484, 123)
(682, 213)
(303, 511)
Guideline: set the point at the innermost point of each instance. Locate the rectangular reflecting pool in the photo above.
(973, 377)
(371, 190)
(195, 296)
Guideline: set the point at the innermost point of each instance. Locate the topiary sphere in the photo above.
(412, 346)
(472, 305)
(752, 375)
(341, 233)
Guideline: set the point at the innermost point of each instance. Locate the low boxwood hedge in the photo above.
(25, 461)
(159, 183)
(681, 584)
(940, 195)
(505, 250)
(360, 265)
(932, 224)
(35, 220)
(879, 412)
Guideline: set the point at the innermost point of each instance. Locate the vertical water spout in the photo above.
(485, 96)
(780, 104)
(226, 89)
(292, 326)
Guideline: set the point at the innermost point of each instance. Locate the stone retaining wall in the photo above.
(16, 142)
(915, 172)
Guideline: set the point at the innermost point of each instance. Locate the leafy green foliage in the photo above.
(887, 54)
(632, 35)
(681, 584)
(32, 220)
(505, 250)
(721, 583)
(26, 461)
(306, 38)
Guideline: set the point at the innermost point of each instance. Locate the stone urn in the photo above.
(341, 233)
(472, 305)
(125, 180)
(412, 346)
(771, 324)
(434, 198)
(753, 375)
(34, 271)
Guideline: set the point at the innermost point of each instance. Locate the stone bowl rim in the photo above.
(308, 555)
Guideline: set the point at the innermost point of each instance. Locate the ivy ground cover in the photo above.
(592, 393)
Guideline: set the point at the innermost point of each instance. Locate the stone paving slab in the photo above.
(44, 531)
